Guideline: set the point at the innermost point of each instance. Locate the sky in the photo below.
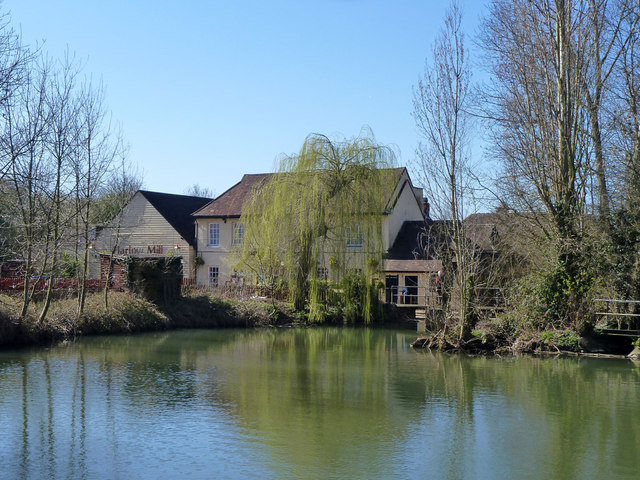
(206, 91)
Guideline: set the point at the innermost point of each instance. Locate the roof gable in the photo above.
(177, 209)
(403, 181)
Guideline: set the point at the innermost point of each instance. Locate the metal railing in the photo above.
(487, 298)
(413, 296)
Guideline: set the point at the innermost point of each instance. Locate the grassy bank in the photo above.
(506, 334)
(128, 314)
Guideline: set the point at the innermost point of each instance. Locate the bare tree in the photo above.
(61, 144)
(57, 149)
(123, 182)
(15, 63)
(98, 148)
(626, 111)
(606, 42)
(197, 190)
(550, 61)
(441, 111)
(26, 118)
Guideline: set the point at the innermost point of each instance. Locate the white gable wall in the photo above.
(407, 208)
(144, 232)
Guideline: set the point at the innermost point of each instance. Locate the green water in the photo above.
(310, 404)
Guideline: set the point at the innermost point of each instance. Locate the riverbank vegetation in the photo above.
(559, 108)
(63, 169)
(129, 313)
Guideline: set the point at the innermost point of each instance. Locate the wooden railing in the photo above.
(617, 317)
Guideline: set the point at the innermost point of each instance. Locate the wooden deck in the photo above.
(422, 297)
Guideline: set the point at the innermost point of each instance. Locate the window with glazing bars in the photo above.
(213, 276)
(214, 234)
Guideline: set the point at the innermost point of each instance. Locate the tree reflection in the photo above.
(312, 403)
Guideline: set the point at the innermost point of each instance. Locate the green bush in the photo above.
(564, 340)
(159, 280)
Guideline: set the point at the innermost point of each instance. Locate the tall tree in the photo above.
(626, 111)
(121, 185)
(541, 126)
(606, 40)
(15, 63)
(441, 108)
(622, 270)
(98, 147)
(322, 212)
(25, 119)
(61, 143)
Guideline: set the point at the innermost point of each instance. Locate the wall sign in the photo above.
(148, 250)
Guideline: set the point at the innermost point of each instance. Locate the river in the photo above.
(318, 403)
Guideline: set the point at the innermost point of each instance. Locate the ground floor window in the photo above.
(392, 282)
(214, 273)
(323, 273)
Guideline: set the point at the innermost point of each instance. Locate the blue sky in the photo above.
(206, 91)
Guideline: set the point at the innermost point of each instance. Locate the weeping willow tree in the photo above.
(316, 226)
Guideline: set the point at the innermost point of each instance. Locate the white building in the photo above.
(152, 224)
(219, 232)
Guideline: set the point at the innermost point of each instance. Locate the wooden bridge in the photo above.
(617, 317)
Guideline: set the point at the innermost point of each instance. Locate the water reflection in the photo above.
(310, 403)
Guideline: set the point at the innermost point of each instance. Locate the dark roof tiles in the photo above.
(418, 240)
(177, 209)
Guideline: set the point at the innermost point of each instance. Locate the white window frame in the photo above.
(237, 236)
(214, 276)
(214, 240)
(354, 237)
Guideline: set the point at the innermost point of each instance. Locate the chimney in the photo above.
(426, 207)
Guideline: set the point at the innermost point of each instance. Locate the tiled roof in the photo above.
(229, 204)
(412, 265)
(489, 230)
(177, 209)
(418, 240)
